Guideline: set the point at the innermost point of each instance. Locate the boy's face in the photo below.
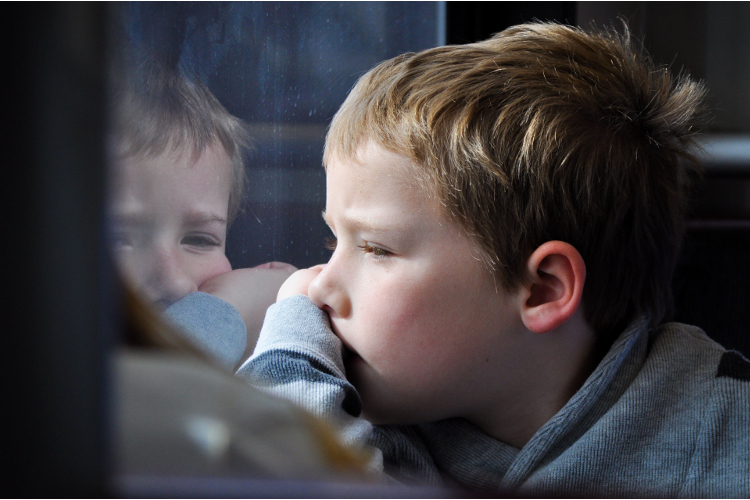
(428, 331)
(169, 221)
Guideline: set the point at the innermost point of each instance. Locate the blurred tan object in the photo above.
(177, 414)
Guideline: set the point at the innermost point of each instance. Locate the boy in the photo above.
(508, 214)
(177, 182)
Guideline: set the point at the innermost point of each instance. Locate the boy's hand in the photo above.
(251, 291)
(299, 282)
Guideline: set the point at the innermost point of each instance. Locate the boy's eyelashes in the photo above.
(375, 251)
(331, 242)
(139, 238)
(200, 241)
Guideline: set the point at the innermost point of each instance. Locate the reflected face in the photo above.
(169, 221)
(406, 292)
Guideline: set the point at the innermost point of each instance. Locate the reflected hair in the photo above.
(545, 132)
(156, 110)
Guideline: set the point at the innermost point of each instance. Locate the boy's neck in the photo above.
(552, 370)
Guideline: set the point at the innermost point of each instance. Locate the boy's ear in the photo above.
(558, 273)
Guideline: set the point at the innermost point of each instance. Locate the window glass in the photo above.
(284, 68)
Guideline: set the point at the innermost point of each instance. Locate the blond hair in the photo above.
(544, 132)
(157, 110)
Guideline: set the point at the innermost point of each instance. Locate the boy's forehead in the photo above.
(181, 167)
(373, 167)
(174, 148)
(377, 188)
(371, 156)
(212, 157)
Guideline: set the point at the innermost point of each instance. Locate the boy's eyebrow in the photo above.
(201, 217)
(365, 224)
(140, 219)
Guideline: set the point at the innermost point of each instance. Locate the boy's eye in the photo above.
(330, 243)
(200, 241)
(376, 251)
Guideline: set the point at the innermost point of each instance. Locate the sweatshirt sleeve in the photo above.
(299, 358)
(213, 325)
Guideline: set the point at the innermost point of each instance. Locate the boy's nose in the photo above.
(166, 280)
(326, 291)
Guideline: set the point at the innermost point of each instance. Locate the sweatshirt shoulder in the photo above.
(718, 383)
(700, 369)
(689, 348)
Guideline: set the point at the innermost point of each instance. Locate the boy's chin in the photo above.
(354, 366)
(375, 408)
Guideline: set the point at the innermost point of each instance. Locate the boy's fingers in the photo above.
(299, 282)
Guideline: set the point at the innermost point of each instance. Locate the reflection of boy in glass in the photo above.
(176, 185)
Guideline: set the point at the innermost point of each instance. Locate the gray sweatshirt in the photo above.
(665, 414)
